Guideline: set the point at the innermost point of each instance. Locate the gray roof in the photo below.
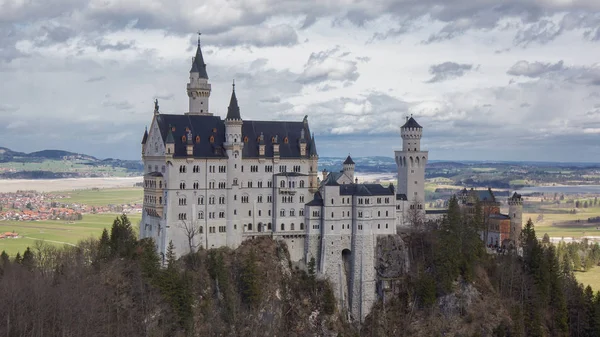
(516, 196)
(291, 174)
(365, 189)
(155, 174)
(411, 123)
(436, 211)
(317, 200)
(233, 111)
(204, 127)
(332, 178)
(198, 65)
(145, 138)
(313, 147)
(348, 161)
(401, 197)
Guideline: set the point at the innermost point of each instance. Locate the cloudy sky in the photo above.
(488, 79)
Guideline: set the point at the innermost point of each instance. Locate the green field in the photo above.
(590, 277)
(103, 197)
(57, 232)
(546, 226)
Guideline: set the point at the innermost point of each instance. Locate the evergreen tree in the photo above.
(4, 260)
(122, 238)
(171, 258)
(28, 260)
(104, 251)
(18, 258)
(311, 268)
(546, 238)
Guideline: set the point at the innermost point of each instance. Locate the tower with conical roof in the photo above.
(234, 144)
(411, 162)
(198, 89)
(349, 168)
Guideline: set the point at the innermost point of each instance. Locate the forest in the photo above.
(116, 286)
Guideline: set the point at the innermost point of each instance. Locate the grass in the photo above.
(590, 277)
(103, 197)
(546, 226)
(57, 232)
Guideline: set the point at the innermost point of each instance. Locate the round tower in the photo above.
(198, 89)
(515, 210)
(411, 162)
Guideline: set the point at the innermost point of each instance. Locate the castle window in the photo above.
(332, 201)
(249, 213)
(285, 140)
(211, 139)
(282, 227)
(269, 226)
(292, 213)
(378, 213)
(197, 139)
(378, 226)
(249, 226)
(302, 198)
(272, 139)
(200, 215)
(301, 183)
(302, 226)
(214, 129)
(386, 226)
(183, 139)
(282, 212)
(332, 214)
(246, 139)
(301, 212)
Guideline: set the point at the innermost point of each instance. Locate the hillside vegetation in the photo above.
(451, 287)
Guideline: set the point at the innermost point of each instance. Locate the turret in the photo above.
(302, 144)
(144, 140)
(234, 144)
(411, 162)
(189, 144)
(411, 133)
(314, 163)
(515, 210)
(198, 89)
(170, 143)
(349, 167)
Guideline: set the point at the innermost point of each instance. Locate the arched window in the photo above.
(301, 183)
(197, 139)
(282, 227)
(285, 141)
(200, 215)
(183, 139)
(211, 139)
(282, 184)
(249, 226)
(302, 226)
(269, 226)
(292, 226)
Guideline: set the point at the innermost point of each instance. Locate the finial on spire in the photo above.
(156, 106)
(233, 84)
(199, 37)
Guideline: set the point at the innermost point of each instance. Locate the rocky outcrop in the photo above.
(392, 260)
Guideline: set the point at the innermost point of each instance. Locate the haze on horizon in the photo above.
(517, 81)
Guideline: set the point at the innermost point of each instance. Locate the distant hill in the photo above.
(52, 164)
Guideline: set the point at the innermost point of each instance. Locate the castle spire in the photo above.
(198, 65)
(233, 111)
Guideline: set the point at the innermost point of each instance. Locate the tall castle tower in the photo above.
(411, 162)
(198, 89)
(233, 145)
(515, 212)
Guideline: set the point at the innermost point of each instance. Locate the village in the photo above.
(38, 206)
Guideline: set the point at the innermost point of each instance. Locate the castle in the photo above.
(211, 182)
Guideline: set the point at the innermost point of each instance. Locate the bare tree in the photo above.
(415, 216)
(191, 228)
